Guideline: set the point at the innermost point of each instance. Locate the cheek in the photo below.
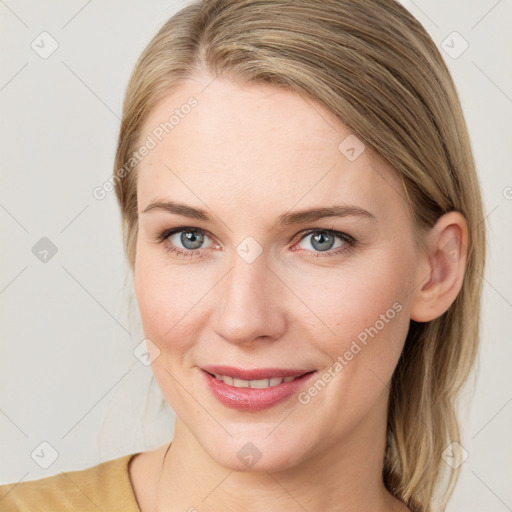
(173, 301)
(367, 315)
(162, 298)
(166, 301)
(364, 310)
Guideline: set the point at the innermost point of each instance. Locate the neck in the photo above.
(347, 476)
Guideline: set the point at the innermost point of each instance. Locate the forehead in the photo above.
(242, 145)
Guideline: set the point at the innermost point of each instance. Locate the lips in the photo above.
(255, 374)
(254, 383)
(255, 389)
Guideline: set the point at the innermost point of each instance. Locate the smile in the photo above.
(254, 384)
(254, 390)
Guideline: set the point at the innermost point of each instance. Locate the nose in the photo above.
(251, 305)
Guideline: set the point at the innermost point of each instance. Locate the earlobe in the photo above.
(445, 259)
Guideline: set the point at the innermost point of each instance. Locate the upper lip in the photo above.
(255, 373)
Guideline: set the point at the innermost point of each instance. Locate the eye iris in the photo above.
(321, 237)
(191, 239)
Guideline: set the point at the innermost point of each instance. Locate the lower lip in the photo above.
(249, 399)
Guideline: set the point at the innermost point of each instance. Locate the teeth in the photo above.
(239, 383)
(255, 384)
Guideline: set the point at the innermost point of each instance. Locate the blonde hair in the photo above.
(374, 66)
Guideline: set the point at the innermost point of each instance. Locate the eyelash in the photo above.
(349, 244)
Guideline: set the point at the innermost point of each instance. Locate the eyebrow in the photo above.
(295, 217)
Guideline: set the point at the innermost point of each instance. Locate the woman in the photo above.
(302, 218)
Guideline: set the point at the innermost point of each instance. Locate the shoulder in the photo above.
(105, 487)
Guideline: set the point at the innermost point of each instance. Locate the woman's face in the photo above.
(260, 285)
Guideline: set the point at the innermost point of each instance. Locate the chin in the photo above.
(255, 452)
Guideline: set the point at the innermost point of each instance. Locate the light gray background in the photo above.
(68, 374)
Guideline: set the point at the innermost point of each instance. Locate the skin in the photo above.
(247, 154)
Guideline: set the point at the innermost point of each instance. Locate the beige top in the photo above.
(106, 487)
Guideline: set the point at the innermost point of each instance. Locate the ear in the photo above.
(442, 267)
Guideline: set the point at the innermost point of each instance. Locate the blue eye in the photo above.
(324, 240)
(188, 242)
(327, 241)
(189, 239)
